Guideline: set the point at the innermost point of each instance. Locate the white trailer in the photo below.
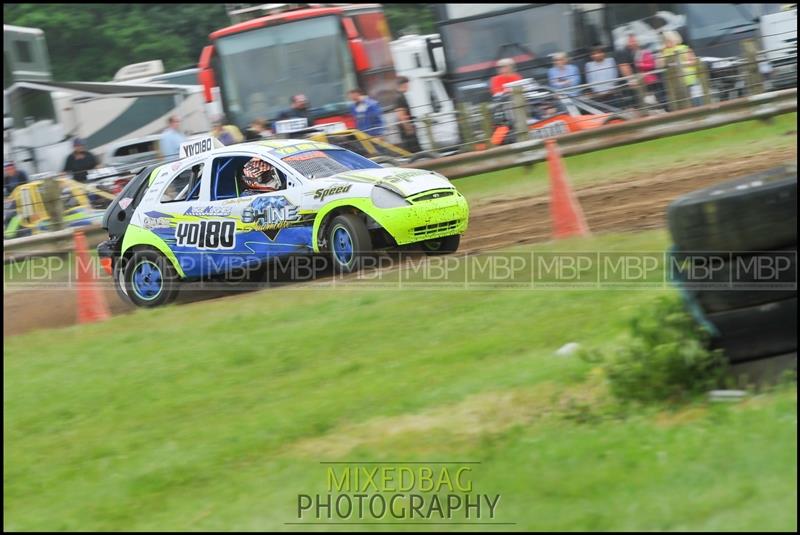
(420, 58)
(103, 114)
(779, 42)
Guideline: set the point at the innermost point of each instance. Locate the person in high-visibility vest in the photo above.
(53, 201)
(673, 44)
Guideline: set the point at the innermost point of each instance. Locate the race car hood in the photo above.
(406, 182)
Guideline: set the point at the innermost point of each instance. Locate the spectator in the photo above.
(408, 131)
(12, 177)
(227, 134)
(80, 161)
(563, 76)
(368, 114)
(673, 45)
(299, 109)
(602, 73)
(52, 198)
(171, 138)
(505, 74)
(636, 60)
(258, 130)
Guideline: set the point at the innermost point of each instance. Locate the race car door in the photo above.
(167, 212)
(268, 224)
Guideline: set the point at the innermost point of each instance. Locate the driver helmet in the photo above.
(258, 175)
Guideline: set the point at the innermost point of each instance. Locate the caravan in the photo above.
(42, 116)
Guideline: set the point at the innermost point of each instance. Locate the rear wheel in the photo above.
(150, 279)
(119, 280)
(349, 242)
(614, 119)
(438, 246)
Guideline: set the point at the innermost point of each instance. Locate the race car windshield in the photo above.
(325, 163)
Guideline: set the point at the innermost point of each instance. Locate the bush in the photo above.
(667, 357)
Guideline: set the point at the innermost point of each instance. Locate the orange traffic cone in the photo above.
(91, 303)
(565, 210)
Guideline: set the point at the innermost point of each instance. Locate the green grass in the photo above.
(641, 158)
(216, 415)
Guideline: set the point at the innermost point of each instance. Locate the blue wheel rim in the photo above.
(147, 280)
(342, 246)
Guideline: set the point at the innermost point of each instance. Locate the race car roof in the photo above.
(196, 147)
(283, 146)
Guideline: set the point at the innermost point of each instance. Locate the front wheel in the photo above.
(150, 279)
(349, 242)
(438, 246)
(424, 155)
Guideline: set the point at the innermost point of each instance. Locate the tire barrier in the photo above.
(735, 262)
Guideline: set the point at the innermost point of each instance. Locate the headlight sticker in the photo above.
(384, 198)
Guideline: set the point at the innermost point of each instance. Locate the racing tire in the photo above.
(150, 280)
(441, 246)
(614, 119)
(756, 332)
(742, 281)
(349, 243)
(119, 281)
(424, 155)
(757, 212)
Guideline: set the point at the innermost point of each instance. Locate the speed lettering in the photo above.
(207, 234)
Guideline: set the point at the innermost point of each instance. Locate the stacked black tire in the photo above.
(735, 261)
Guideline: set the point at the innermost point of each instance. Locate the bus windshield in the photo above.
(325, 163)
(262, 68)
(476, 44)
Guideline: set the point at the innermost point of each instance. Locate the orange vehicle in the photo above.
(550, 113)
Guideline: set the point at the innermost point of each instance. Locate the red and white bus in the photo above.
(321, 52)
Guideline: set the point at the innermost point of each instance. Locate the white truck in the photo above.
(420, 58)
(779, 42)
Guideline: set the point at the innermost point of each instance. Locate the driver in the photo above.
(259, 177)
(546, 108)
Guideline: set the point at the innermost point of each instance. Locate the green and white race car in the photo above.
(204, 214)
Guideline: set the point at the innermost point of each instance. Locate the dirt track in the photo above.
(628, 204)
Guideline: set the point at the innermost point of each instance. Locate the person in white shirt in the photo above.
(171, 138)
(602, 73)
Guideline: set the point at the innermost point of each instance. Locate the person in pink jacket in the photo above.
(639, 60)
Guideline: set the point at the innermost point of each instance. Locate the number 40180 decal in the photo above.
(207, 234)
